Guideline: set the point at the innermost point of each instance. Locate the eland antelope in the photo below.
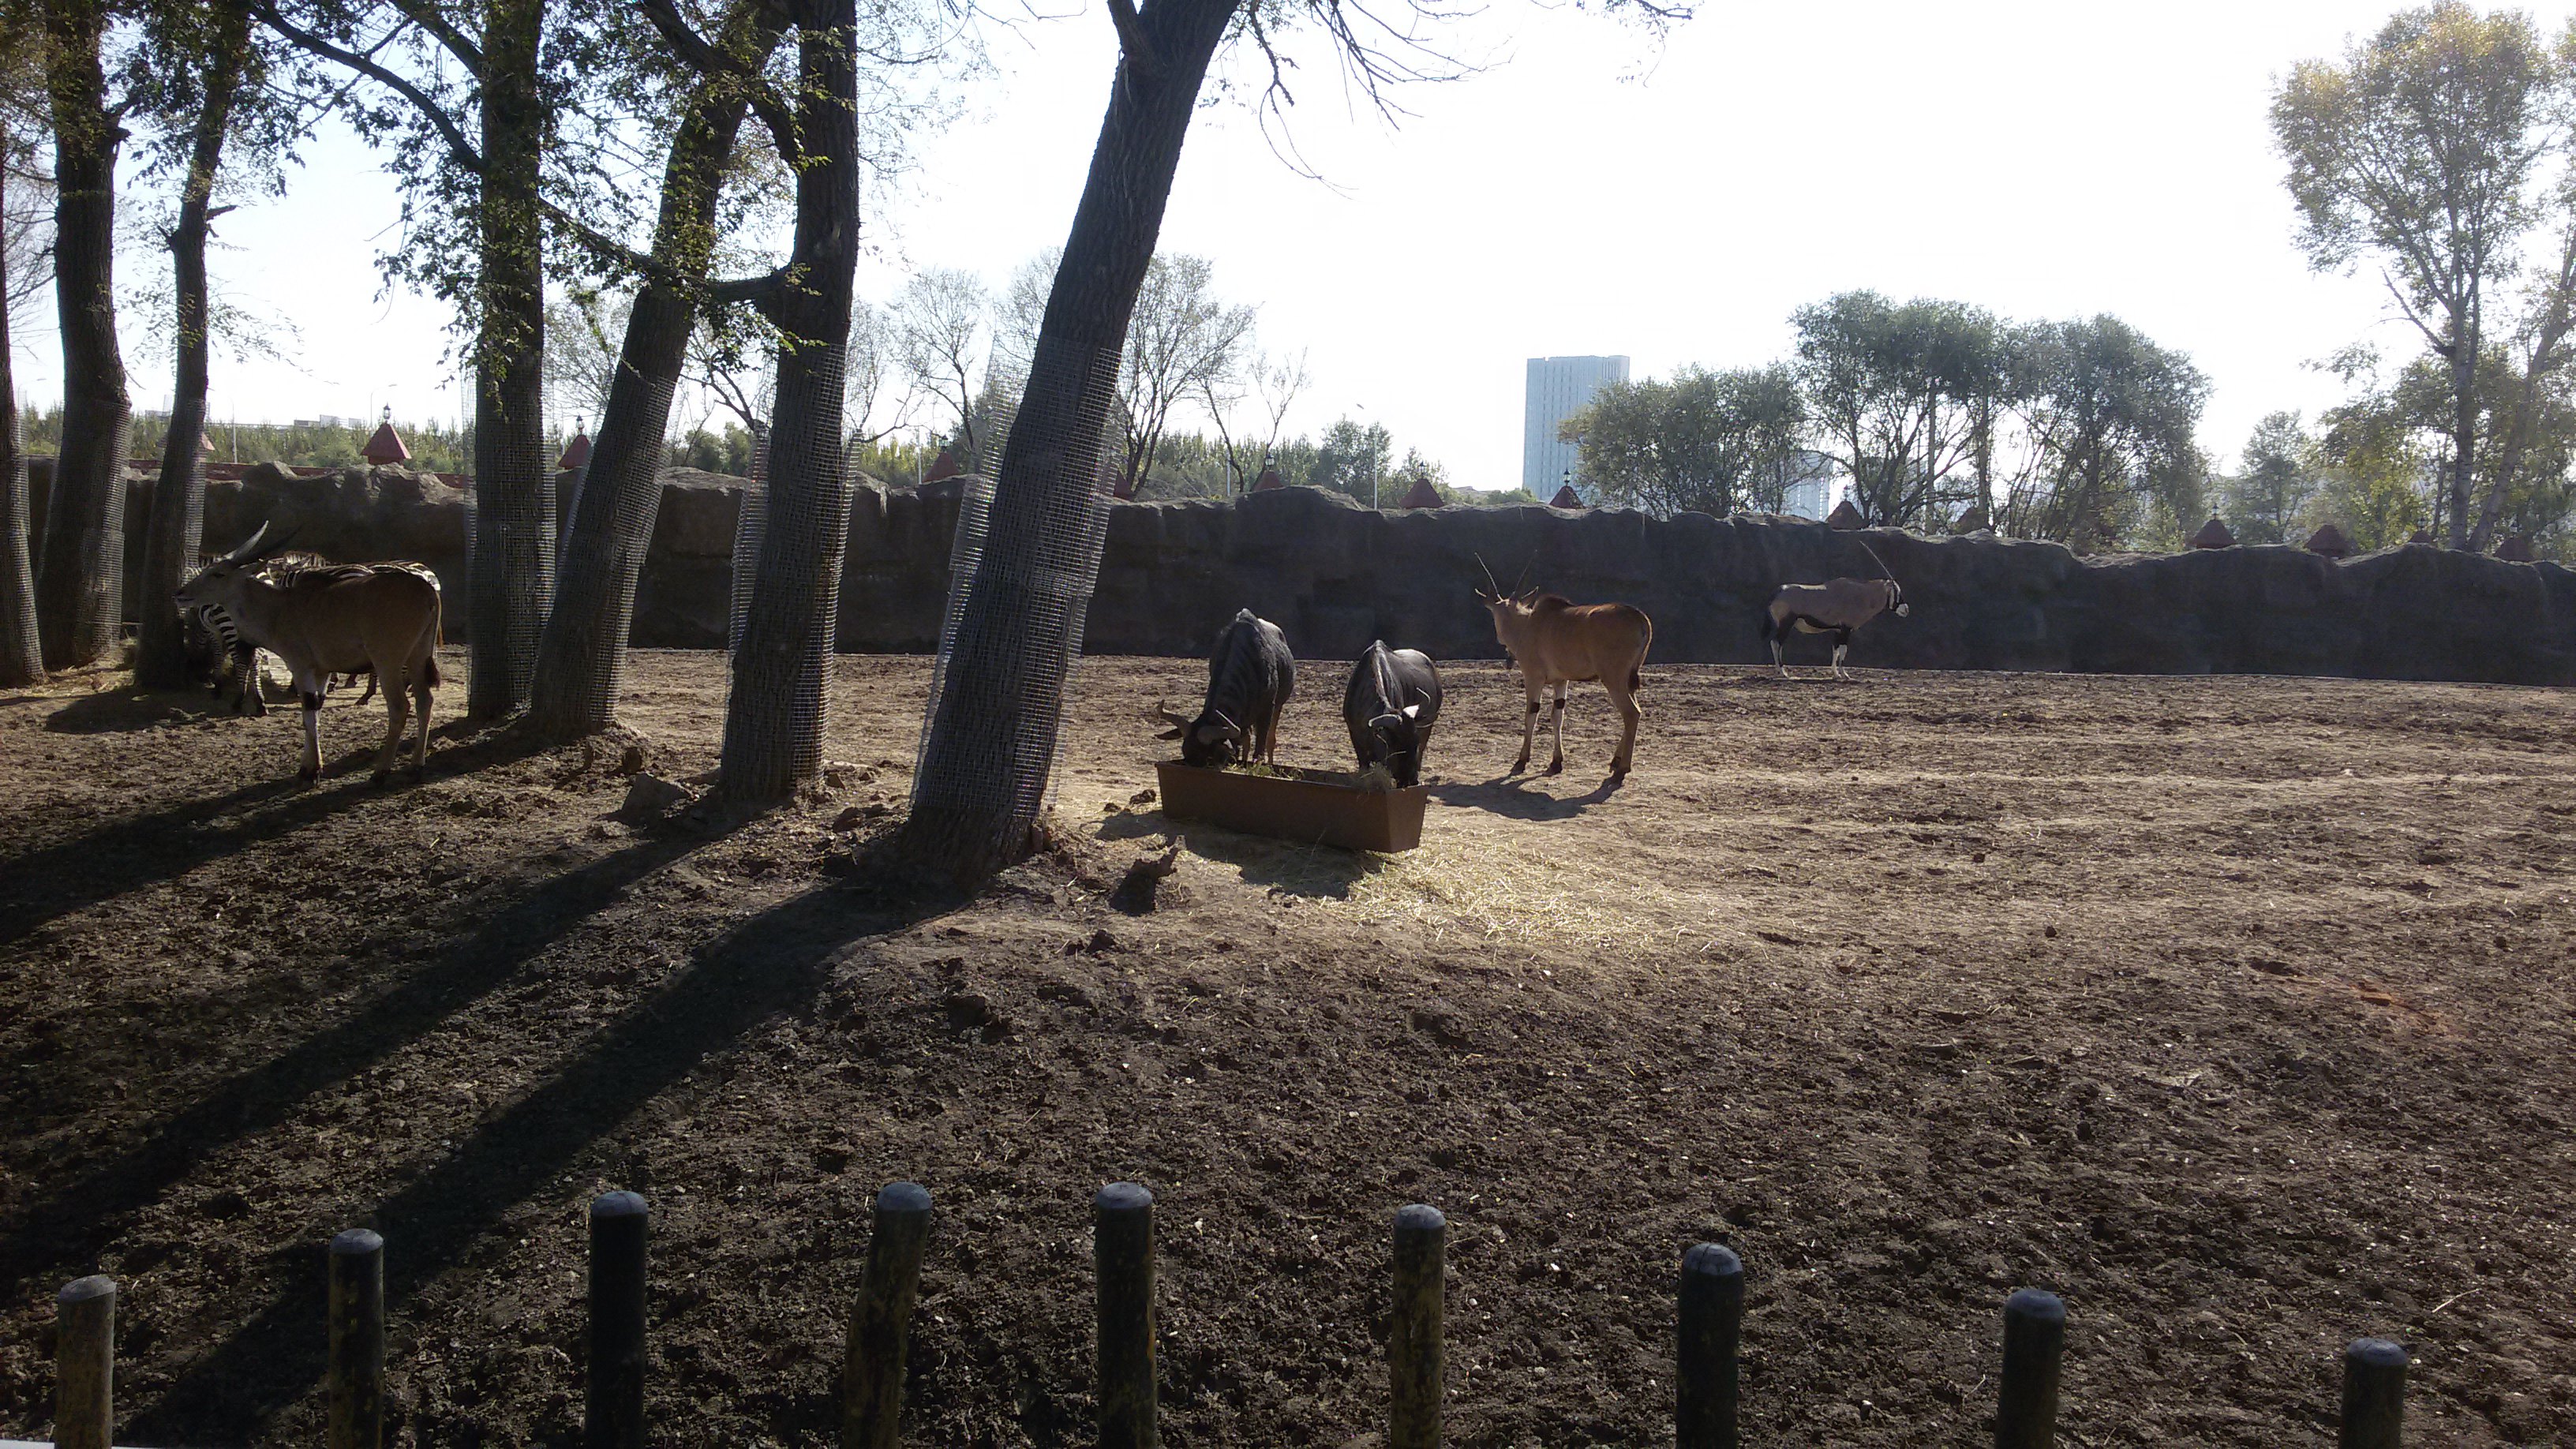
(1555, 641)
(333, 619)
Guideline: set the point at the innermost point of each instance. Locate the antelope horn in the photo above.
(1489, 575)
(247, 551)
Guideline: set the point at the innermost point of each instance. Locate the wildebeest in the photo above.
(1250, 676)
(1392, 702)
(332, 619)
(1555, 641)
(1836, 607)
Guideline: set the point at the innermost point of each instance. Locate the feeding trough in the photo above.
(1311, 807)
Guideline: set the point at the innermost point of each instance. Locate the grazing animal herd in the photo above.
(383, 620)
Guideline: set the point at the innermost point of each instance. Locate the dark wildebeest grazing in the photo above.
(1836, 607)
(1555, 641)
(1250, 676)
(1393, 701)
(334, 619)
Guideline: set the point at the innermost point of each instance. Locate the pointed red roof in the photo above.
(1421, 495)
(943, 466)
(2213, 534)
(2331, 542)
(1566, 497)
(386, 447)
(1845, 516)
(576, 454)
(2516, 549)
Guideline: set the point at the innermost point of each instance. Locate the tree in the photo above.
(2111, 417)
(2264, 503)
(1353, 458)
(773, 735)
(1703, 442)
(2426, 147)
(1902, 397)
(22, 659)
(213, 43)
(77, 607)
(1182, 343)
(582, 652)
(939, 341)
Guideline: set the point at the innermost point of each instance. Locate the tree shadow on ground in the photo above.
(130, 708)
(69, 1224)
(1507, 795)
(1282, 867)
(126, 855)
(774, 962)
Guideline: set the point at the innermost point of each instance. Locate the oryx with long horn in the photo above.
(333, 619)
(1836, 607)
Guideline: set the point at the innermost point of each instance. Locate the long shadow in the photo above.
(125, 855)
(70, 1223)
(129, 708)
(1504, 795)
(1283, 866)
(772, 963)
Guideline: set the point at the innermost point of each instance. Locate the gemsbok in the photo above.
(334, 619)
(1836, 607)
(1555, 641)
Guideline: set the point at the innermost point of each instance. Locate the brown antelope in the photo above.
(332, 620)
(1555, 641)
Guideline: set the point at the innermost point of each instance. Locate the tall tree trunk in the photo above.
(77, 596)
(22, 658)
(774, 716)
(514, 513)
(582, 656)
(179, 494)
(992, 742)
(2464, 418)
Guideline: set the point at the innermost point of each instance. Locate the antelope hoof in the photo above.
(1518, 765)
(307, 776)
(1556, 767)
(380, 777)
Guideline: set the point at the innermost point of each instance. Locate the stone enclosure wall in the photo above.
(1335, 574)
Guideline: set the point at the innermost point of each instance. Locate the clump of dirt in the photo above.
(2234, 1010)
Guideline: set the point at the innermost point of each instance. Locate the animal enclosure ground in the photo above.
(2235, 1010)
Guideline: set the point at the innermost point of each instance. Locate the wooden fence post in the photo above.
(872, 1374)
(1122, 1248)
(2374, 1395)
(1712, 1327)
(613, 1411)
(2034, 1341)
(1413, 1357)
(85, 1363)
(356, 1371)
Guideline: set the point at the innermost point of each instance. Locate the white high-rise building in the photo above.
(1558, 388)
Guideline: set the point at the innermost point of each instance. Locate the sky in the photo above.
(1587, 192)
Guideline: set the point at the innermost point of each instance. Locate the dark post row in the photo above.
(1710, 1298)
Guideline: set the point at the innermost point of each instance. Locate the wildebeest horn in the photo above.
(1172, 716)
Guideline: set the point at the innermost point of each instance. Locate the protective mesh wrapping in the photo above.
(631, 535)
(965, 556)
(749, 520)
(570, 487)
(1013, 765)
(25, 653)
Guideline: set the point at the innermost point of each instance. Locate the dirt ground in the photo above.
(2235, 1010)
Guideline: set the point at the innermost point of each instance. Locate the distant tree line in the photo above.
(1935, 414)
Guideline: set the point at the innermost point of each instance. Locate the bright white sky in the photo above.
(1587, 195)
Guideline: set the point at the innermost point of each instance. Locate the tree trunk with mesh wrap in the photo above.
(581, 659)
(179, 494)
(77, 603)
(512, 578)
(774, 716)
(22, 659)
(984, 768)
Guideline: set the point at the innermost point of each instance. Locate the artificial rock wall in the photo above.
(1335, 575)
